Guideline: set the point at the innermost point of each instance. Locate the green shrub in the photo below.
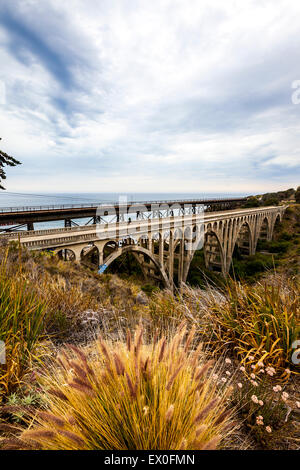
(279, 247)
(149, 289)
(285, 236)
(252, 201)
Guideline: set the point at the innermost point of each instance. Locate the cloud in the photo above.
(150, 96)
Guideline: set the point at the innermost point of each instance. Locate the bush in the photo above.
(252, 201)
(131, 396)
(260, 320)
(271, 201)
(199, 275)
(149, 289)
(285, 236)
(262, 403)
(262, 245)
(279, 247)
(251, 267)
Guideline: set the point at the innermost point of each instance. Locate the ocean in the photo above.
(18, 200)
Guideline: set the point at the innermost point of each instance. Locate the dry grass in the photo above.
(132, 396)
(21, 325)
(69, 290)
(260, 321)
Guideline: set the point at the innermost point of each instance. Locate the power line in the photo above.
(46, 195)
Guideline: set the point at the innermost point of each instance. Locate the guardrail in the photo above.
(47, 231)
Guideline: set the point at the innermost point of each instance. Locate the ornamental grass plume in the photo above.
(131, 395)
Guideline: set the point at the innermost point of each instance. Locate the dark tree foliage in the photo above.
(6, 160)
(252, 201)
(271, 200)
(297, 195)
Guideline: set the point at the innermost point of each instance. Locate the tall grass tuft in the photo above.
(132, 395)
(258, 322)
(21, 324)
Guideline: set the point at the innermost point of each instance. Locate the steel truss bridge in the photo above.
(18, 218)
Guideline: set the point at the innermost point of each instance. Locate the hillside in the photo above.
(282, 254)
(273, 199)
(285, 245)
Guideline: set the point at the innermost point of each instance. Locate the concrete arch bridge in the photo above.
(164, 247)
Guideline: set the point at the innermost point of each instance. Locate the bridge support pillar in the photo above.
(161, 251)
(171, 259)
(30, 226)
(181, 263)
(270, 234)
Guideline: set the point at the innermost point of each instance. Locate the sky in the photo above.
(150, 96)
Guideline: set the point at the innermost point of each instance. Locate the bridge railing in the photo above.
(116, 203)
(133, 230)
(49, 231)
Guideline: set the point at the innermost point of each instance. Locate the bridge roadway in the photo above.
(164, 246)
(27, 216)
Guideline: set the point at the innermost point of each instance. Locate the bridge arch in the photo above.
(274, 220)
(144, 241)
(193, 235)
(264, 229)
(278, 220)
(109, 247)
(138, 250)
(177, 237)
(194, 240)
(213, 252)
(244, 237)
(166, 240)
(90, 254)
(156, 240)
(65, 254)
